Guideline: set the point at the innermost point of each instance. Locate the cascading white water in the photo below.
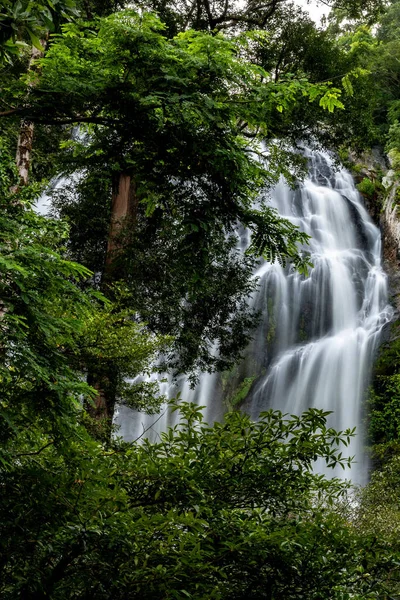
(318, 336)
(328, 325)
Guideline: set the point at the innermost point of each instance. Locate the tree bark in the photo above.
(124, 205)
(103, 379)
(25, 138)
(24, 150)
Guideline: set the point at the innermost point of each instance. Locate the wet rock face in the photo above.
(390, 225)
(361, 236)
(385, 212)
(320, 171)
(370, 165)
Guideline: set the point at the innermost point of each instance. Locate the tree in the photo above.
(169, 123)
(174, 124)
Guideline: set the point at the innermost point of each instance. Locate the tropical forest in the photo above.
(199, 299)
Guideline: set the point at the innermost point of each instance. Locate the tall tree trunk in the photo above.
(24, 150)
(25, 138)
(123, 209)
(23, 155)
(123, 214)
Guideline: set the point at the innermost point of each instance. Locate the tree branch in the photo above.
(189, 15)
(12, 111)
(37, 451)
(259, 20)
(211, 21)
(73, 120)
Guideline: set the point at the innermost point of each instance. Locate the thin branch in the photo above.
(133, 442)
(6, 104)
(211, 21)
(189, 15)
(12, 111)
(73, 120)
(35, 453)
(149, 427)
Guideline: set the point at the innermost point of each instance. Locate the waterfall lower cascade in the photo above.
(319, 334)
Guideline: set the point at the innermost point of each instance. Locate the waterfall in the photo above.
(318, 336)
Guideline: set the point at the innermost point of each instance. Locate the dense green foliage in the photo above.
(25, 21)
(231, 511)
(51, 331)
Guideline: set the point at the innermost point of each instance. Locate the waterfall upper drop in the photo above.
(318, 335)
